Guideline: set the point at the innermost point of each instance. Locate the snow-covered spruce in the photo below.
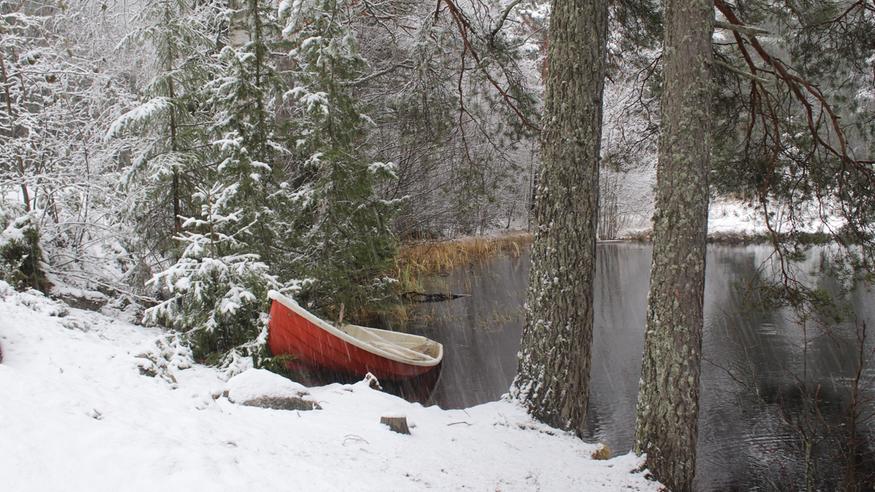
(217, 292)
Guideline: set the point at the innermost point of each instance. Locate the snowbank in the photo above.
(77, 414)
(255, 383)
(735, 219)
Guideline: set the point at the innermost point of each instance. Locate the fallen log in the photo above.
(431, 297)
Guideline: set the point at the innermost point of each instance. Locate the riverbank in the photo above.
(729, 222)
(93, 403)
(758, 359)
(736, 222)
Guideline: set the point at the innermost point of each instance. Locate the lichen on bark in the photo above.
(667, 413)
(553, 377)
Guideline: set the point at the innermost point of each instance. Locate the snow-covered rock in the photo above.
(261, 388)
(256, 383)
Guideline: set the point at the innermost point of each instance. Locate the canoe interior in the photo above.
(403, 345)
(321, 347)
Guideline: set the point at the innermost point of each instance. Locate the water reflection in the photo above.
(763, 369)
(481, 333)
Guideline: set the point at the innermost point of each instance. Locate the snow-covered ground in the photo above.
(734, 218)
(77, 414)
(740, 219)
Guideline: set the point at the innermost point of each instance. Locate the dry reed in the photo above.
(433, 257)
(602, 452)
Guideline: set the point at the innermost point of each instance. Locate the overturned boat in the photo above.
(346, 349)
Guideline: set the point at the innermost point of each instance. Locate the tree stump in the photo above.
(396, 424)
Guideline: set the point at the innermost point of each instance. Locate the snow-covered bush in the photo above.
(217, 291)
(20, 254)
(164, 356)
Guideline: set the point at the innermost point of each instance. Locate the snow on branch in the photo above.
(138, 116)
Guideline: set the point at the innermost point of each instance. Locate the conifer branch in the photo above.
(464, 28)
(738, 71)
(747, 30)
(802, 90)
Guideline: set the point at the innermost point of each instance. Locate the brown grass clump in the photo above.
(432, 257)
(603, 452)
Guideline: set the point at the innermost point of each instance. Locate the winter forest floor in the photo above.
(77, 414)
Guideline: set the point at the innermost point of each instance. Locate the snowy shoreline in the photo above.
(734, 222)
(729, 222)
(78, 414)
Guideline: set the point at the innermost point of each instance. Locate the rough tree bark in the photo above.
(668, 399)
(553, 377)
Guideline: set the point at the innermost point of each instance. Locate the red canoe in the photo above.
(350, 349)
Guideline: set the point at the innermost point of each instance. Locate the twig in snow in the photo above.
(354, 438)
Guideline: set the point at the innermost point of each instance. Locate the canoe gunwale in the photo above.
(425, 361)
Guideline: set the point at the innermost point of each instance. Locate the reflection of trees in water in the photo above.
(481, 333)
(791, 369)
(748, 435)
(622, 276)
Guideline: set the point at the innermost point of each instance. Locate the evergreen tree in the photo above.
(248, 137)
(345, 227)
(218, 290)
(172, 117)
(219, 285)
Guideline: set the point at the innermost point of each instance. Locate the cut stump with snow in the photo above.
(396, 424)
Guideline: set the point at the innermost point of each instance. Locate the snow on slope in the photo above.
(75, 414)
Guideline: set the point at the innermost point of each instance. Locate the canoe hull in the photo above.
(315, 349)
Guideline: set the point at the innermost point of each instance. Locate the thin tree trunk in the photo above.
(25, 195)
(668, 399)
(174, 147)
(177, 210)
(553, 377)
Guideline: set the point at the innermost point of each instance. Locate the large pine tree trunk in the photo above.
(668, 399)
(553, 378)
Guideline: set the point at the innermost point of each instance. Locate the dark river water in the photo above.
(774, 389)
